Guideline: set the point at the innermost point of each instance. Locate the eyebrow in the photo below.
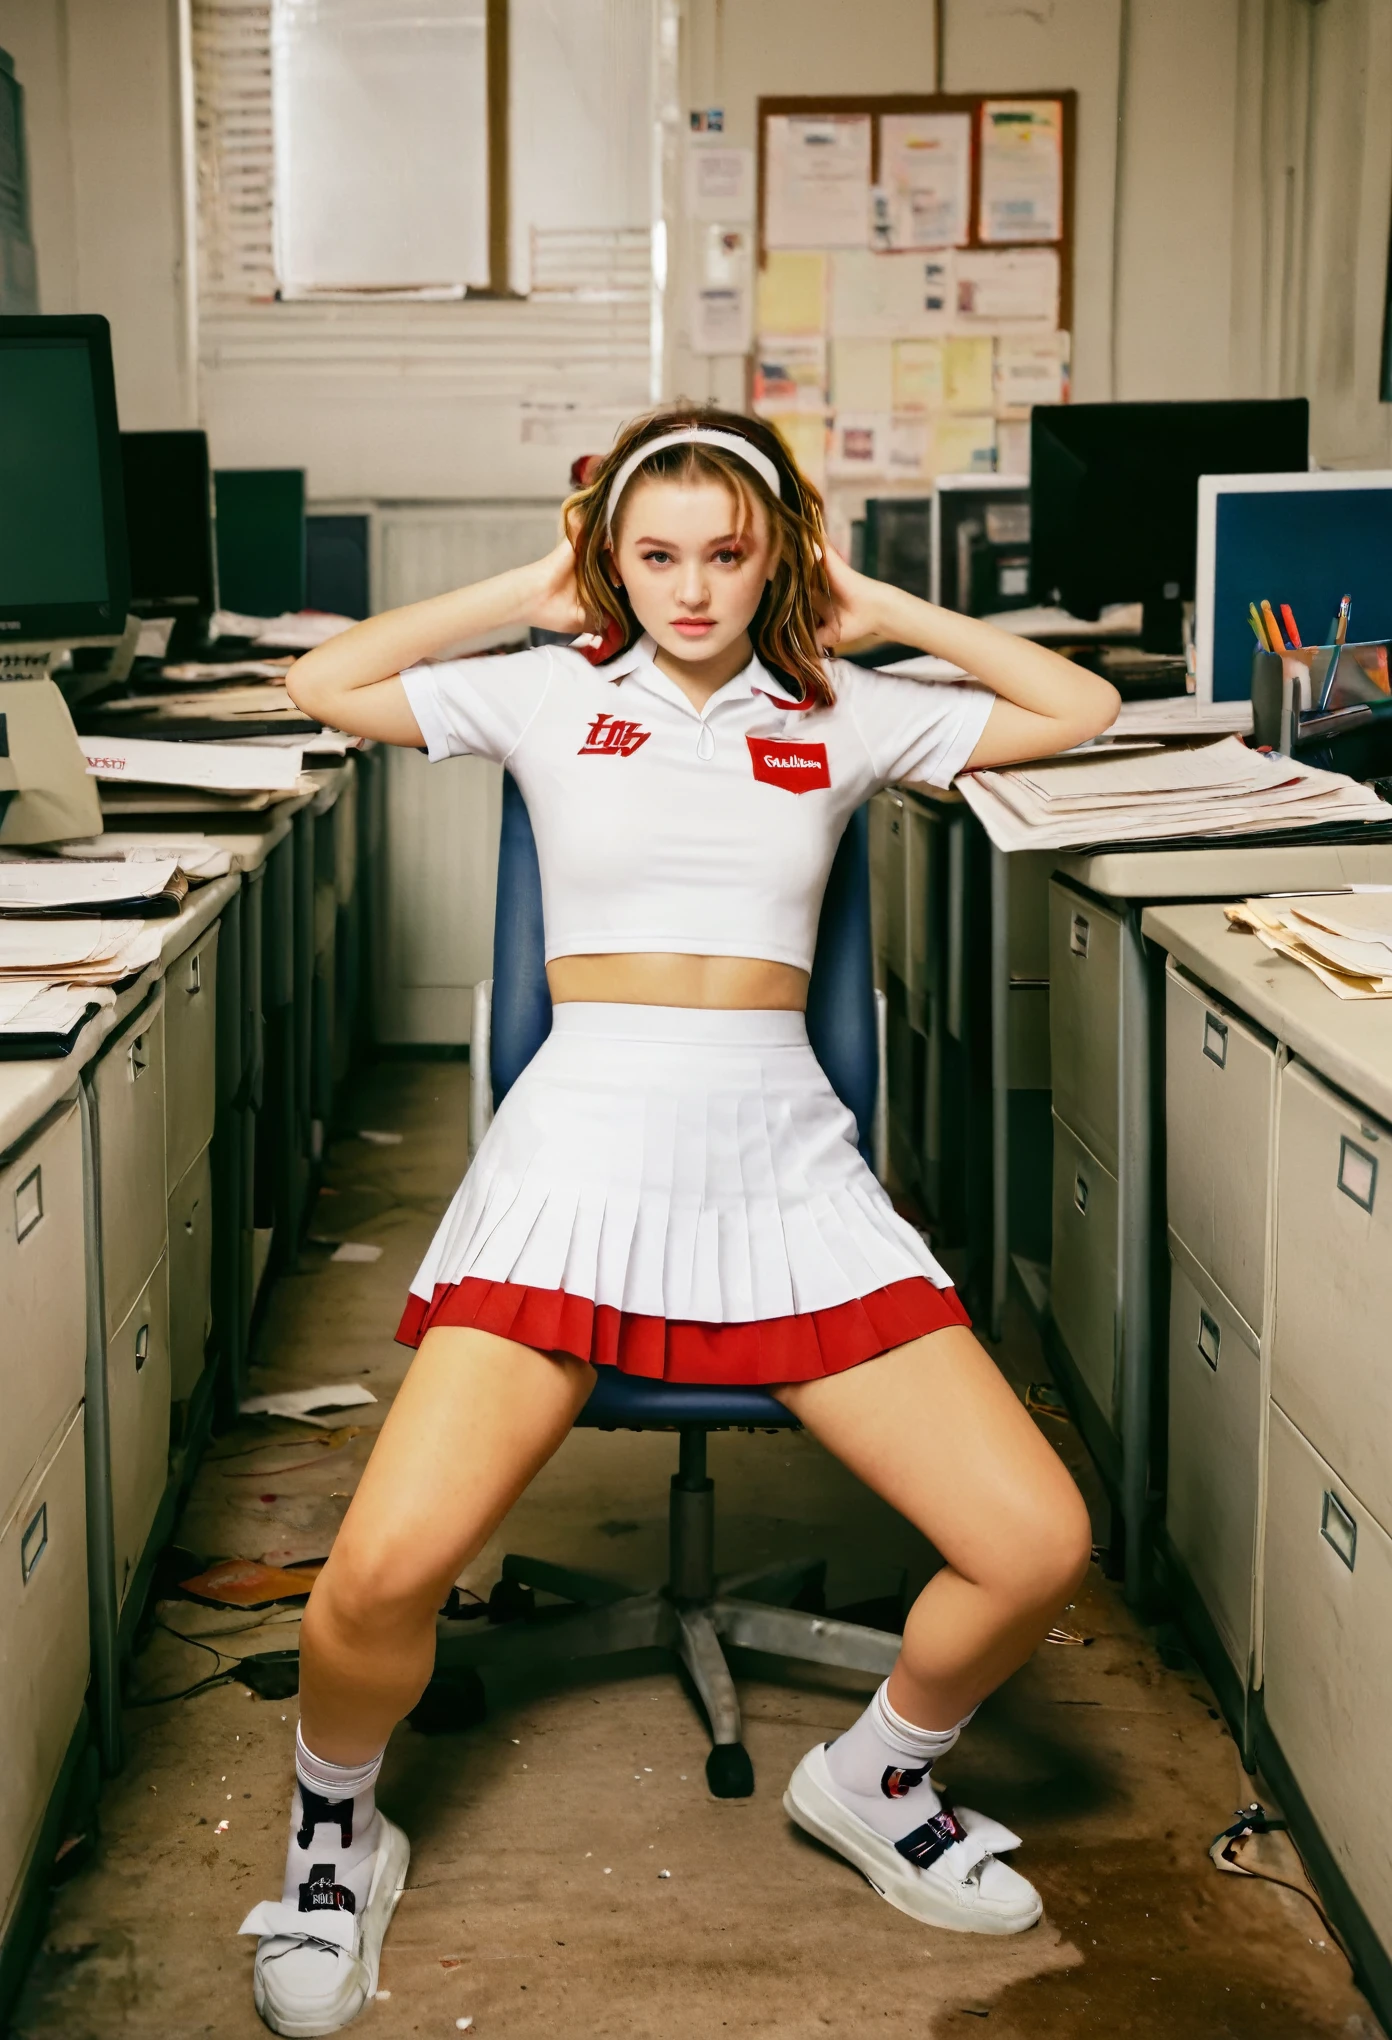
(730, 538)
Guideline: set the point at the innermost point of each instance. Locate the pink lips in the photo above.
(692, 626)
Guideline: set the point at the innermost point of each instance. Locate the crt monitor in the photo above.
(1114, 491)
(169, 525)
(64, 577)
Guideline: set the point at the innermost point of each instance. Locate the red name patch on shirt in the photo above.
(799, 767)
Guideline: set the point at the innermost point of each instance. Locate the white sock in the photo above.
(880, 1768)
(334, 1829)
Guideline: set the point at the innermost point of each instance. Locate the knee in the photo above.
(1054, 1549)
(364, 1596)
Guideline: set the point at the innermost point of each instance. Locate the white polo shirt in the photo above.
(665, 829)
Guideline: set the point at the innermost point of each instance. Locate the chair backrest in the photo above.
(840, 999)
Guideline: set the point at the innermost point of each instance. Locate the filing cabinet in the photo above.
(1220, 1078)
(44, 1291)
(1085, 1263)
(1330, 1368)
(190, 1275)
(190, 1052)
(1328, 1659)
(137, 1392)
(1084, 1018)
(43, 1641)
(128, 1088)
(1215, 1451)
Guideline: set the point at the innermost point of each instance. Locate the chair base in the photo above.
(751, 1610)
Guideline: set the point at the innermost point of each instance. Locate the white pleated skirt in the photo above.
(678, 1193)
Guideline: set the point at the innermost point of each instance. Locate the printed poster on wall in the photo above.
(925, 169)
(817, 181)
(1021, 170)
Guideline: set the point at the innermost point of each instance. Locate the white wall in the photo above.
(101, 89)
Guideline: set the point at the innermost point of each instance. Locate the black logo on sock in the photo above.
(319, 1893)
(333, 1812)
(897, 1783)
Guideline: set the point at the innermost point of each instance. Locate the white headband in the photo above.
(691, 435)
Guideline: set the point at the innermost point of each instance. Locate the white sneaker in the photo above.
(316, 1970)
(947, 1882)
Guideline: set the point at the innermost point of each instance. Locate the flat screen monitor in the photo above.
(261, 539)
(1114, 495)
(64, 575)
(169, 526)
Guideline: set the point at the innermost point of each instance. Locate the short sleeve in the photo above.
(477, 707)
(924, 730)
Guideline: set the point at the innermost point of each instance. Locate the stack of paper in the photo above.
(214, 768)
(199, 857)
(299, 630)
(158, 775)
(73, 952)
(1344, 938)
(1180, 716)
(1220, 790)
(44, 1019)
(107, 886)
(210, 672)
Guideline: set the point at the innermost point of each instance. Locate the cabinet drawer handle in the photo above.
(139, 1057)
(195, 976)
(1357, 1173)
(142, 1347)
(33, 1543)
(1210, 1338)
(1338, 1529)
(1080, 1194)
(1215, 1040)
(1078, 935)
(29, 1202)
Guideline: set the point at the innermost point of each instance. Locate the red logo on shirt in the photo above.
(609, 738)
(799, 767)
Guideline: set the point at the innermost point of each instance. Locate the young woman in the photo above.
(672, 1187)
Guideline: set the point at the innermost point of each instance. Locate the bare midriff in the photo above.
(726, 983)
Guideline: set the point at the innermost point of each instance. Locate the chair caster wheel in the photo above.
(510, 1601)
(729, 1772)
(452, 1702)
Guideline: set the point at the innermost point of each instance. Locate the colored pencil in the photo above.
(1258, 626)
(1289, 621)
(1274, 638)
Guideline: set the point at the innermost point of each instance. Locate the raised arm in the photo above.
(352, 683)
(1044, 703)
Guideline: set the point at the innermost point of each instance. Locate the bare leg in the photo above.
(474, 1420)
(935, 1429)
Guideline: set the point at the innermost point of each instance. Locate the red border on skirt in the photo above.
(796, 1348)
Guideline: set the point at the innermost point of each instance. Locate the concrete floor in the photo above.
(534, 1906)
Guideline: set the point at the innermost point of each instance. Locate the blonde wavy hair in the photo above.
(784, 627)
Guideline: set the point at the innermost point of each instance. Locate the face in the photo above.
(693, 562)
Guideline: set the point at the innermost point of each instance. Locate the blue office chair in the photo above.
(695, 1610)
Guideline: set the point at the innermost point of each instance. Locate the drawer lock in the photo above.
(1357, 1173)
(1338, 1528)
(1080, 1194)
(1215, 1040)
(1078, 935)
(142, 1347)
(1210, 1339)
(33, 1543)
(29, 1202)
